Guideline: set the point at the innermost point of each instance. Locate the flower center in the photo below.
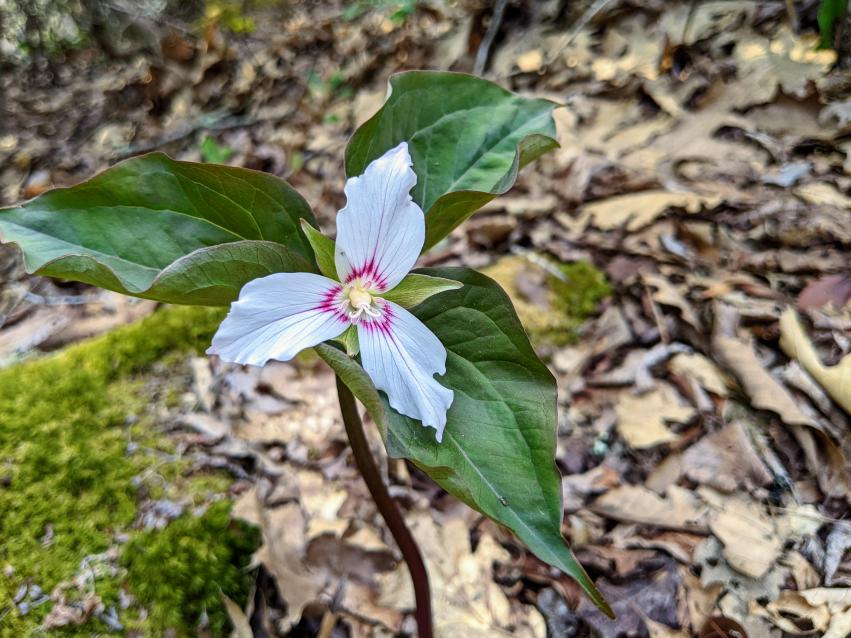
(358, 302)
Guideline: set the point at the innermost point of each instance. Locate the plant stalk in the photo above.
(388, 509)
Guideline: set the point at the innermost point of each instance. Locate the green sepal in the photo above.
(349, 340)
(416, 288)
(323, 250)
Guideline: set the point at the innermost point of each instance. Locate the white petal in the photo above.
(401, 356)
(278, 316)
(381, 231)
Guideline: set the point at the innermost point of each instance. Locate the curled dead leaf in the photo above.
(836, 380)
(823, 456)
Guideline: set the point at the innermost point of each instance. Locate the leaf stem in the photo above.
(388, 509)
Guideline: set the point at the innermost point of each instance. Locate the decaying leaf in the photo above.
(784, 62)
(836, 380)
(667, 294)
(678, 509)
(824, 457)
(830, 290)
(726, 460)
(653, 597)
(466, 600)
(822, 194)
(636, 210)
(699, 367)
(793, 614)
(749, 536)
(642, 419)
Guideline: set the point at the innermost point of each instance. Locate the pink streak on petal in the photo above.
(369, 272)
(330, 303)
(383, 324)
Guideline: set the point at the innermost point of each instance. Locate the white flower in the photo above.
(380, 234)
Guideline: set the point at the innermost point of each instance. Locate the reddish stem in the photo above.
(388, 509)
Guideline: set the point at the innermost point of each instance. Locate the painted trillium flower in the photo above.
(380, 234)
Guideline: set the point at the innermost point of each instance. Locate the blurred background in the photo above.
(681, 263)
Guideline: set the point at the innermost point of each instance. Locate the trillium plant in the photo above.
(436, 356)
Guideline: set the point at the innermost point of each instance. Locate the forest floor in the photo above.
(681, 263)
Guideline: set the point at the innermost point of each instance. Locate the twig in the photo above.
(490, 35)
(793, 15)
(589, 15)
(692, 8)
(387, 508)
(657, 316)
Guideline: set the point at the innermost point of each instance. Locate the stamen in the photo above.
(356, 302)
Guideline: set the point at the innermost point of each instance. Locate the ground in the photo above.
(680, 262)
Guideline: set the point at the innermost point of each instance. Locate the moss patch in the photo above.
(179, 572)
(552, 299)
(79, 449)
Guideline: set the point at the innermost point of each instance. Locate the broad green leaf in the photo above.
(157, 228)
(415, 288)
(468, 138)
(323, 250)
(498, 449)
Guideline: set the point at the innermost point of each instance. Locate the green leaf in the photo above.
(415, 288)
(157, 228)
(468, 138)
(214, 153)
(323, 250)
(498, 449)
(830, 12)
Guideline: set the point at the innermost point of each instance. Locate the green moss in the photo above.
(564, 302)
(581, 290)
(181, 571)
(70, 480)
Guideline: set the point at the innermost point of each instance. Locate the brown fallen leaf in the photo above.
(635, 210)
(836, 380)
(738, 590)
(832, 290)
(837, 545)
(628, 51)
(722, 627)
(840, 625)
(660, 630)
(750, 539)
(667, 294)
(824, 458)
(240, 622)
(823, 194)
(283, 537)
(653, 597)
(699, 599)
(619, 562)
(642, 419)
(795, 614)
(679, 545)
(696, 366)
(784, 62)
(726, 460)
(35, 330)
(466, 599)
(678, 509)
(609, 332)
